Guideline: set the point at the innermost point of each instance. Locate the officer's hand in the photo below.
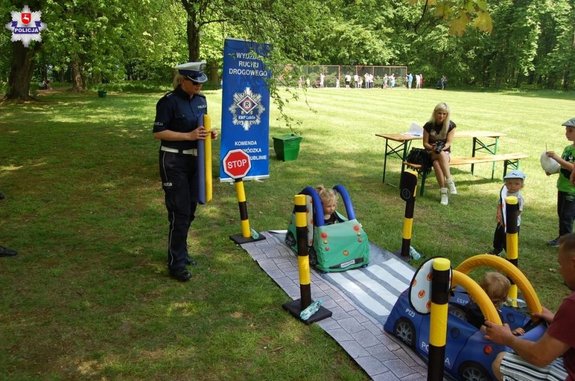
(199, 134)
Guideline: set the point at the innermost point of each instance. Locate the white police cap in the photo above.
(194, 71)
(569, 123)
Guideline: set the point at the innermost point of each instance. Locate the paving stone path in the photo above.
(359, 334)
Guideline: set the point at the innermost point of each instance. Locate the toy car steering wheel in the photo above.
(480, 297)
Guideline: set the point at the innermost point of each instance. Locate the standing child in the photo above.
(513, 184)
(565, 189)
(329, 202)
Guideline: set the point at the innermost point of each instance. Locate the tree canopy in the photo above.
(473, 42)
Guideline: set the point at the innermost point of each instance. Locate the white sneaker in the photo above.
(451, 185)
(444, 197)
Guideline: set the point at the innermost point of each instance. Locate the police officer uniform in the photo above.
(180, 112)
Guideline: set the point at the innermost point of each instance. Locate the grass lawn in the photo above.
(88, 296)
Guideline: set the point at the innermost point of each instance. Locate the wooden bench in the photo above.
(508, 159)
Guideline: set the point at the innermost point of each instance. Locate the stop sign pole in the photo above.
(237, 164)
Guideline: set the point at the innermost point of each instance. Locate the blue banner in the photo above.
(246, 105)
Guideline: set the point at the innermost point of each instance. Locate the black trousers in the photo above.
(500, 238)
(566, 212)
(179, 175)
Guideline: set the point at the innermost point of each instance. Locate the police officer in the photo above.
(178, 114)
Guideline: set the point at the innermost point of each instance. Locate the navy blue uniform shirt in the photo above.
(176, 111)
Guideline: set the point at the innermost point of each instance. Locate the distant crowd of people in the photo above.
(368, 81)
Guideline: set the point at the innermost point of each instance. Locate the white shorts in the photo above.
(514, 368)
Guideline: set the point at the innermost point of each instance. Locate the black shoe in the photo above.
(183, 275)
(6, 252)
(553, 242)
(495, 252)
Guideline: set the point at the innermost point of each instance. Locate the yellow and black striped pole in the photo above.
(246, 234)
(440, 284)
(302, 251)
(408, 187)
(512, 240)
(295, 307)
(243, 205)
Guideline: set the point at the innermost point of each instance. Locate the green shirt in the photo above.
(563, 183)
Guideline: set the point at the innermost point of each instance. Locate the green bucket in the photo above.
(287, 146)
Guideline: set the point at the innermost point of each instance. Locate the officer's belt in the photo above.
(191, 151)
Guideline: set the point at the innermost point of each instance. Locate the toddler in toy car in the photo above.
(496, 286)
(329, 202)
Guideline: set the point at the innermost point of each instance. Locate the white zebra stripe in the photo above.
(366, 300)
(374, 286)
(400, 267)
(398, 284)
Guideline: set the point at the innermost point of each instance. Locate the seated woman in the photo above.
(437, 136)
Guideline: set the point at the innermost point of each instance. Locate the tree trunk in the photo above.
(566, 80)
(213, 77)
(21, 70)
(192, 28)
(193, 34)
(77, 81)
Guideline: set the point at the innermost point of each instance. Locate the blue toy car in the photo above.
(468, 355)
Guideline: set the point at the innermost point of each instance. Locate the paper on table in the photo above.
(414, 130)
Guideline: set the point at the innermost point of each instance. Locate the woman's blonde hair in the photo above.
(496, 286)
(445, 129)
(178, 78)
(327, 195)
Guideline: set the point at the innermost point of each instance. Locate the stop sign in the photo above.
(237, 163)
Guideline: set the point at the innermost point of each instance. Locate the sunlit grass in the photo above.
(88, 296)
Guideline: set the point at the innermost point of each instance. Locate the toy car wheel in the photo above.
(470, 371)
(405, 331)
(290, 239)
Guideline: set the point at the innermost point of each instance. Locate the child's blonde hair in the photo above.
(442, 107)
(327, 195)
(496, 286)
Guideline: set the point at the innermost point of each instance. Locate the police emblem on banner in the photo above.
(26, 26)
(246, 109)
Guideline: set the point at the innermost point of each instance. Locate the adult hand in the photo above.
(545, 314)
(198, 134)
(499, 334)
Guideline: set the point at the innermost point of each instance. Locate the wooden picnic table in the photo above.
(398, 145)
